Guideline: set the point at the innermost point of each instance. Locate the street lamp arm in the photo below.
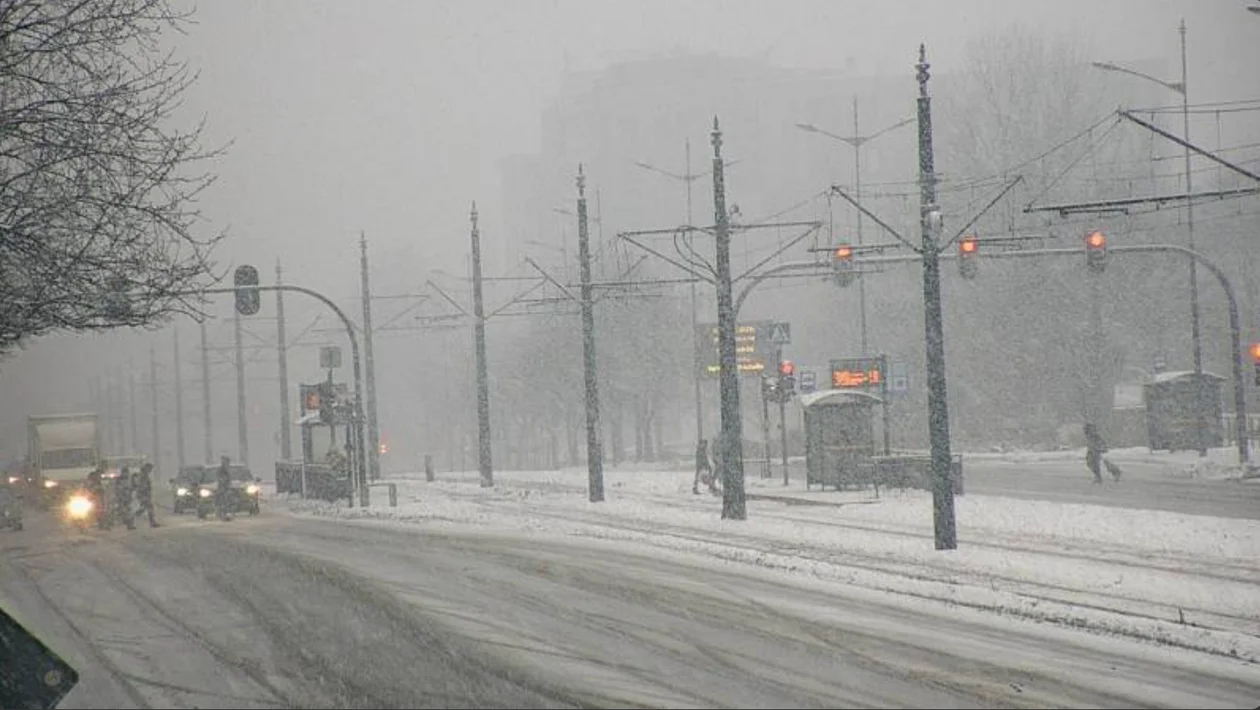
(898, 124)
(810, 128)
(1108, 66)
(666, 173)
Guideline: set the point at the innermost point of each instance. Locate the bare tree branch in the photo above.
(98, 191)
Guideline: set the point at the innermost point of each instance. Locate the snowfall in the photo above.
(1180, 580)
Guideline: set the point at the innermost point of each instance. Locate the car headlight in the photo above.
(79, 506)
(14, 479)
(50, 484)
(204, 492)
(181, 491)
(252, 489)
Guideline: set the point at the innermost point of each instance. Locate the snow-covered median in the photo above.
(1191, 581)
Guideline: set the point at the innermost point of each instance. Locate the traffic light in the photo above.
(968, 252)
(1255, 358)
(787, 379)
(1096, 252)
(842, 265)
(770, 388)
(326, 402)
(245, 279)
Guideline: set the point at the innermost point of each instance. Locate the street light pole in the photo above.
(1194, 271)
(1181, 88)
(857, 194)
(856, 141)
(688, 178)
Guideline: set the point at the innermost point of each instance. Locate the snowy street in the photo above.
(515, 596)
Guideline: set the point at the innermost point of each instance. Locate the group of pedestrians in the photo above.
(130, 494)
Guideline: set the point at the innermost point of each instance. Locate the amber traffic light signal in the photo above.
(968, 252)
(1096, 251)
(842, 264)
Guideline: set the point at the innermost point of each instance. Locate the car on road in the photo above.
(185, 487)
(195, 489)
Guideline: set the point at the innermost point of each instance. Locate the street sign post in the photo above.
(329, 357)
(809, 381)
(781, 333)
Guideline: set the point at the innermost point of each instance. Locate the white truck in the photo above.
(64, 449)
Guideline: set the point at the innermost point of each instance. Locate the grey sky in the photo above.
(390, 116)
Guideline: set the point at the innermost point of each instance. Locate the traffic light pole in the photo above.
(282, 358)
(153, 404)
(360, 475)
(765, 426)
(783, 443)
(179, 408)
(242, 426)
(206, 411)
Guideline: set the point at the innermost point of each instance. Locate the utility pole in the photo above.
(783, 449)
(286, 444)
(732, 445)
(695, 316)
(131, 400)
(1201, 419)
(765, 426)
(938, 406)
(479, 344)
(374, 433)
(153, 406)
(206, 420)
(857, 194)
(856, 141)
(594, 450)
(242, 426)
(689, 177)
(179, 408)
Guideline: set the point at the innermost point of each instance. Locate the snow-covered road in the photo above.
(289, 611)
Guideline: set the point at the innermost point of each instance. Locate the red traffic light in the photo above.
(787, 368)
(844, 253)
(968, 246)
(1255, 352)
(1096, 240)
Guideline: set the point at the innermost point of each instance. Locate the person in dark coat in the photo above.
(1094, 449)
(122, 499)
(144, 492)
(96, 489)
(702, 466)
(223, 490)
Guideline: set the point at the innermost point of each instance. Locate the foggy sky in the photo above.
(390, 117)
